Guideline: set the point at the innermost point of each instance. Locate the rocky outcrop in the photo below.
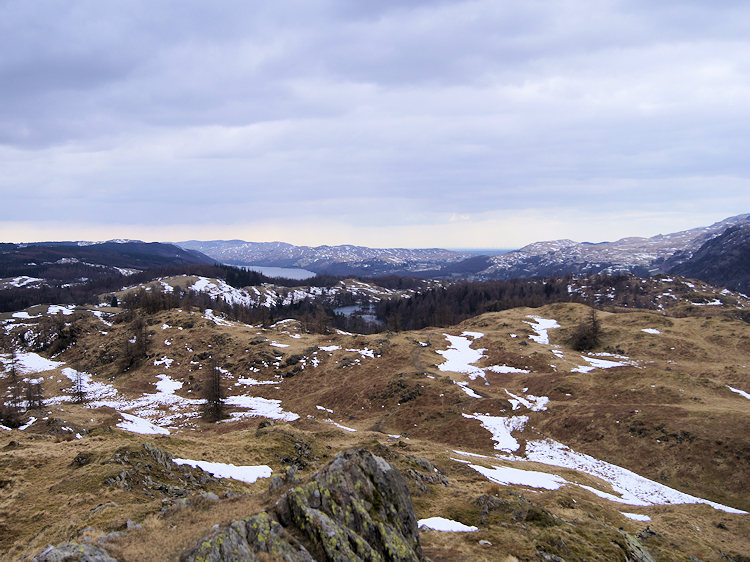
(71, 551)
(356, 508)
(150, 470)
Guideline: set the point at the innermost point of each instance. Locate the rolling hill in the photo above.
(635, 448)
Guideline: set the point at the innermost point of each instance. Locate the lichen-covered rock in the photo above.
(73, 551)
(253, 538)
(636, 552)
(151, 470)
(356, 508)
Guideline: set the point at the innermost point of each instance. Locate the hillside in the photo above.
(69, 261)
(496, 423)
(724, 260)
(641, 256)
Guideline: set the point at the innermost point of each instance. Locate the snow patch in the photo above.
(541, 327)
(163, 361)
(531, 402)
(29, 363)
(135, 424)
(243, 473)
(32, 419)
(254, 382)
(55, 308)
(342, 426)
(465, 387)
(209, 314)
(506, 475)
(596, 363)
(740, 392)
(459, 356)
(445, 525)
(501, 428)
(260, 407)
(636, 516)
(631, 488)
(24, 315)
(505, 369)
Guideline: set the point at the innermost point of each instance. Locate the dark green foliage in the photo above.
(135, 348)
(10, 410)
(444, 306)
(213, 407)
(10, 415)
(587, 335)
(59, 332)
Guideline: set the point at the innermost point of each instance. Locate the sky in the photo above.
(411, 123)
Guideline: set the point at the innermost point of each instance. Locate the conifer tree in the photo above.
(79, 389)
(587, 334)
(213, 407)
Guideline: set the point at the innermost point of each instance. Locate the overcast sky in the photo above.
(408, 123)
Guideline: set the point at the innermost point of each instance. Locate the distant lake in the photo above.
(287, 272)
(366, 312)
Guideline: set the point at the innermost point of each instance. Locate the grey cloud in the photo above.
(370, 111)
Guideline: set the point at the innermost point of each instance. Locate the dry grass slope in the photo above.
(667, 415)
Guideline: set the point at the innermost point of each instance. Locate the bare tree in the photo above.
(34, 394)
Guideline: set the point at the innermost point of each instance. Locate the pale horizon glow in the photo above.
(516, 233)
(449, 123)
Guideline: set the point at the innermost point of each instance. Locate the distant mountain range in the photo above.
(691, 251)
(331, 260)
(718, 254)
(71, 260)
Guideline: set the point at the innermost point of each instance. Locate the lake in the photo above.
(366, 312)
(287, 272)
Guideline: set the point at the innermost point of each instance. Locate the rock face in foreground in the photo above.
(72, 551)
(356, 508)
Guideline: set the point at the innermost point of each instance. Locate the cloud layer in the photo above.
(427, 123)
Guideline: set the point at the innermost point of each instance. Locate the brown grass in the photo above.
(670, 418)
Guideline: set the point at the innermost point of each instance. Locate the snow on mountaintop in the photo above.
(637, 255)
(632, 254)
(318, 258)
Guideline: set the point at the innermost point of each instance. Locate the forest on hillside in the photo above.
(428, 304)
